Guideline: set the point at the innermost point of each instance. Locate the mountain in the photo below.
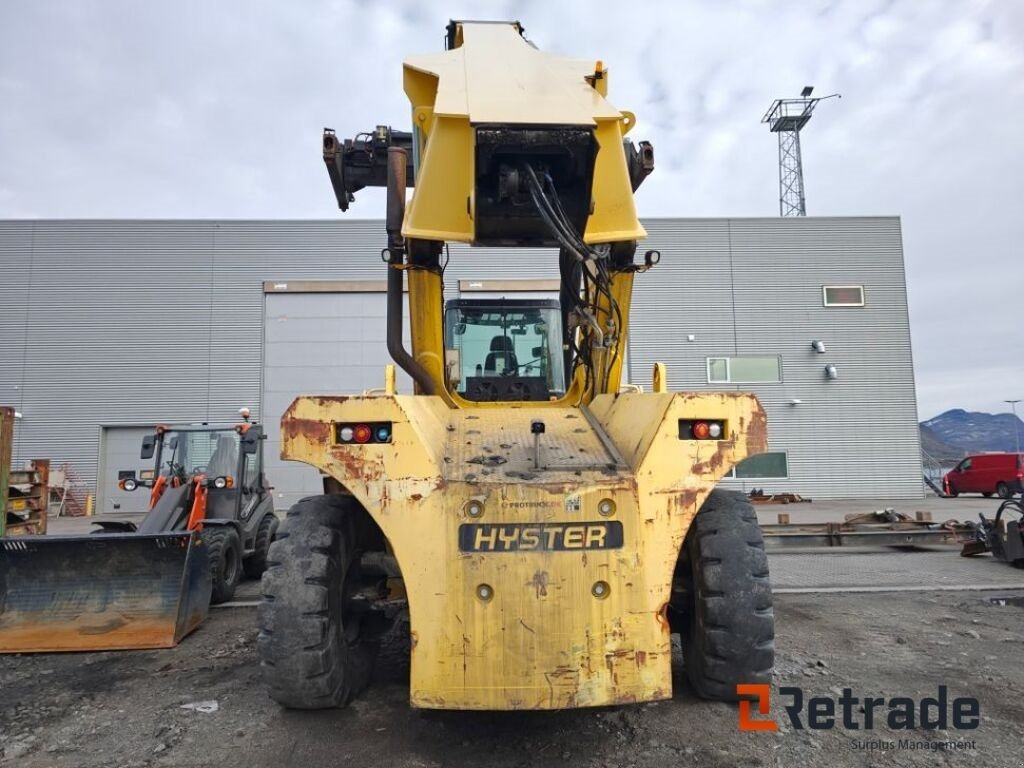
(971, 432)
(933, 446)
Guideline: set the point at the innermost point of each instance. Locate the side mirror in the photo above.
(148, 447)
(173, 443)
(250, 441)
(459, 328)
(538, 351)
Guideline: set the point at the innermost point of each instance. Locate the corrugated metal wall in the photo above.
(135, 322)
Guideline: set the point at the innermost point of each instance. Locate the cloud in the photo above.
(121, 109)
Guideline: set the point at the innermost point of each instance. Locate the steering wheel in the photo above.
(177, 471)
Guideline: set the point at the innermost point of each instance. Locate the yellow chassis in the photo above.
(518, 619)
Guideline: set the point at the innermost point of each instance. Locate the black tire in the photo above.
(256, 563)
(224, 549)
(952, 492)
(728, 624)
(1003, 490)
(310, 646)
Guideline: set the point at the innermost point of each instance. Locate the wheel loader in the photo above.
(147, 585)
(543, 528)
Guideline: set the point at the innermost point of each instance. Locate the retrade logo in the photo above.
(855, 713)
(762, 692)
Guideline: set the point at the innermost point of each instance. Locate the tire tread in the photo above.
(729, 630)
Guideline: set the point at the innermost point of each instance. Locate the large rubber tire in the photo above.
(310, 648)
(1003, 490)
(256, 563)
(728, 628)
(224, 549)
(952, 492)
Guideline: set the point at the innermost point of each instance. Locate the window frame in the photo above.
(826, 303)
(731, 475)
(728, 367)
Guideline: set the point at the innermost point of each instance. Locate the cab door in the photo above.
(962, 477)
(252, 483)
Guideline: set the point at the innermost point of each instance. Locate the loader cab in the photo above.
(500, 350)
(230, 459)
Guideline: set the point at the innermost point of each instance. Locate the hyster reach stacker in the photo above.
(546, 528)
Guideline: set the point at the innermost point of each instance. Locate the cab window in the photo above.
(500, 343)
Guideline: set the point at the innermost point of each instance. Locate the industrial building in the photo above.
(111, 327)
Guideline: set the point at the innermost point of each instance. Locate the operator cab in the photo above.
(505, 349)
(229, 460)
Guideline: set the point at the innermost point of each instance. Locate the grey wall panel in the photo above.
(753, 286)
(136, 322)
(15, 312)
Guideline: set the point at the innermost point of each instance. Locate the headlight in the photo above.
(129, 484)
(220, 482)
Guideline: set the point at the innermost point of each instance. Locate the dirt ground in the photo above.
(125, 709)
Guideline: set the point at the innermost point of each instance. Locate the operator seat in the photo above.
(224, 460)
(501, 358)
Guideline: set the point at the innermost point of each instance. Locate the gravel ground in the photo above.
(126, 709)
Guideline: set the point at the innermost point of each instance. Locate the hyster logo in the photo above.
(533, 537)
(899, 713)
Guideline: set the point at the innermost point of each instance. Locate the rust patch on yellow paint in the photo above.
(687, 499)
(314, 430)
(540, 583)
(757, 433)
(359, 467)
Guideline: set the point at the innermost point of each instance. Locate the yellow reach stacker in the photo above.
(545, 527)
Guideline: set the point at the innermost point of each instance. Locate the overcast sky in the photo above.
(214, 109)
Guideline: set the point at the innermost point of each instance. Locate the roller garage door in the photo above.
(119, 454)
(318, 341)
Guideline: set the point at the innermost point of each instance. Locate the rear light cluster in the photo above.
(364, 432)
(702, 429)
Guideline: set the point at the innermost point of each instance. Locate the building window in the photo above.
(763, 466)
(744, 370)
(843, 295)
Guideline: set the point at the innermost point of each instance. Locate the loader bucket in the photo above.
(101, 592)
